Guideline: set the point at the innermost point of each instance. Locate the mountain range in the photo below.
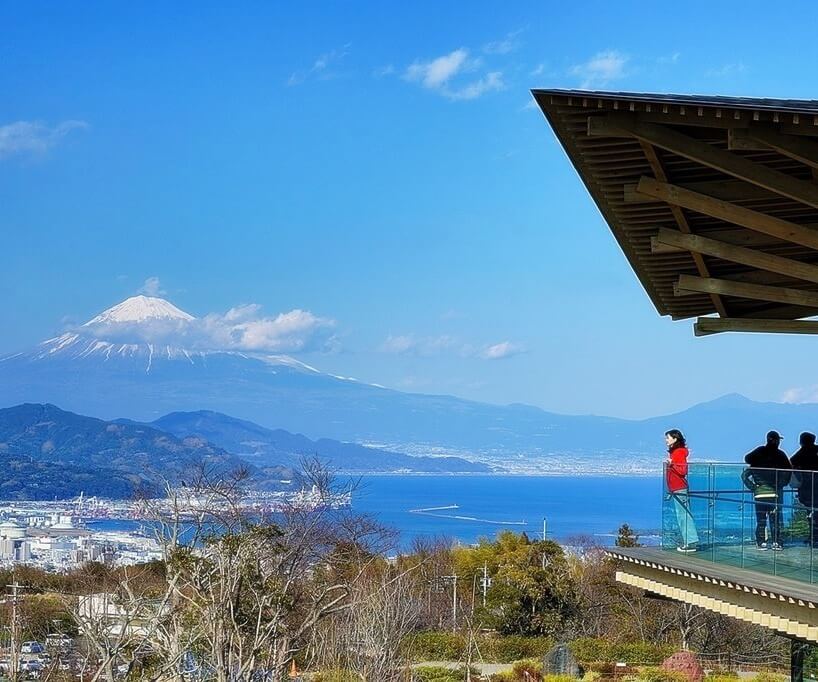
(276, 447)
(46, 452)
(145, 358)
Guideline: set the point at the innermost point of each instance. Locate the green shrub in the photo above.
(589, 650)
(769, 677)
(607, 670)
(642, 652)
(659, 675)
(722, 677)
(436, 646)
(528, 670)
(513, 648)
(504, 676)
(558, 678)
(437, 673)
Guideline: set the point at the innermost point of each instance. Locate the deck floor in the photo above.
(788, 572)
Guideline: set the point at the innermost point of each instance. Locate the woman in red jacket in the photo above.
(677, 488)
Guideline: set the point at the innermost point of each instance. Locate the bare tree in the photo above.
(248, 585)
(116, 616)
(368, 637)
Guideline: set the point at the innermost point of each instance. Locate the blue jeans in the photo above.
(687, 526)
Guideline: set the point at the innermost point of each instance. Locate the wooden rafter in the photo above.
(724, 210)
(727, 190)
(738, 254)
(705, 326)
(758, 292)
(681, 221)
(707, 155)
(801, 149)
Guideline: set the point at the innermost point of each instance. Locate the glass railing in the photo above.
(754, 518)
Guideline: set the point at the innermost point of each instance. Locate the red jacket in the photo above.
(677, 470)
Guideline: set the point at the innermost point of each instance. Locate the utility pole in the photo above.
(485, 582)
(454, 604)
(15, 630)
(544, 534)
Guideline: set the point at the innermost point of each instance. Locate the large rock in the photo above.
(560, 661)
(686, 663)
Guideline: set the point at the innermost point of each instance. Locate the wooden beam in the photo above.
(798, 148)
(705, 326)
(724, 210)
(681, 221)
(738, 139)
(707, 155)
(756, 292)
(737, 236)
(806, 127)
(738, 254)
(727, 190)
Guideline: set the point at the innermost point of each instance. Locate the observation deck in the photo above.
(756, 555)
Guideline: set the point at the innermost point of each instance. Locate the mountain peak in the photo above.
(141, 309)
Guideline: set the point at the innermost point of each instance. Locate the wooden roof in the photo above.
(714, 200)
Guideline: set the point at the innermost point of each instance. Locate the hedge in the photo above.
(448, 646)
(589, 650)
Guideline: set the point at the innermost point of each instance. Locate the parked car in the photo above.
(58, 641)
(31, 666)
(32, 648)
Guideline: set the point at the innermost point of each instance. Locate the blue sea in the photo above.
(424, 506)
(583, 505)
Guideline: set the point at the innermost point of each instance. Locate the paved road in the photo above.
(484, 668)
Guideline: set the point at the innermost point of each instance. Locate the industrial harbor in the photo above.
(61, 535)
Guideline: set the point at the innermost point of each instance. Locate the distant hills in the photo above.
(47, 452)
(276, 447)
(139, 360)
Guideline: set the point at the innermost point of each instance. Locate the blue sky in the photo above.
(379, 168)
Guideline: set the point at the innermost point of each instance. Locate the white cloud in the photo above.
(491, 81)
(152, 287)
(806, 394)
(601, 69)
(321, 67)
(427, 346)
(508, 44)
(440, 74)
(383, 71)
(498, 351)
(408, 344)
(732, 69)
(670, 58)
(537, 70)
(32, 137)
(436, 73)
(242, 328)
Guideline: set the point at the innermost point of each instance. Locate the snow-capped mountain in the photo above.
(140, 309)
(145, 357)
(142, 330)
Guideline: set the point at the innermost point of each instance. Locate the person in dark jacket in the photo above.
(805, 462)
(767, 476)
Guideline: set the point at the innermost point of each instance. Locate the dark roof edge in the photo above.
(803, 106)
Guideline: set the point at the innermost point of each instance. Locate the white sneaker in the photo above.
(777, 547)
(762, 547)
(686, 549)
